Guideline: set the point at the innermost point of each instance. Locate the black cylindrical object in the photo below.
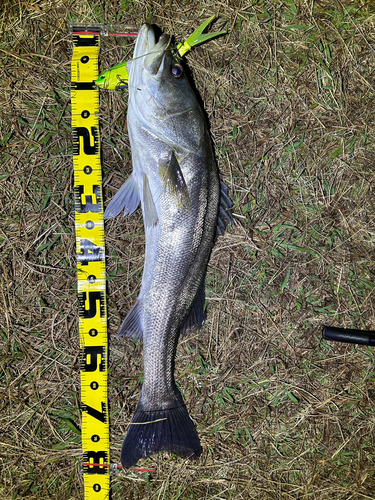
(363, 337)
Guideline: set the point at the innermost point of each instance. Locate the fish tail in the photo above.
(170, 430)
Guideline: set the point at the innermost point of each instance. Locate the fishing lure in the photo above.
(116, 78)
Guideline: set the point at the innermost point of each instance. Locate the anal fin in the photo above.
(132, 325)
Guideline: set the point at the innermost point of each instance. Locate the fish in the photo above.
(185, 207)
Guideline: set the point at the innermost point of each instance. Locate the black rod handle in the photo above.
(363, 337)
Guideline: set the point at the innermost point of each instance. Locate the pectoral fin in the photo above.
(173, 181)
(150, 214)
(127, 198)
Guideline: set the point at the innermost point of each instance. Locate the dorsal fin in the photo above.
(225, 217)
(196, 316)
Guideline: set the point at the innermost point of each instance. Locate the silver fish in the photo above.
(184, 206)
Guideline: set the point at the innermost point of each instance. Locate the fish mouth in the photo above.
(151, 51)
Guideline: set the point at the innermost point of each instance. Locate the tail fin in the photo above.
(152, 431)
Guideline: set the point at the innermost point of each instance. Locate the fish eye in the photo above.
(177, 71)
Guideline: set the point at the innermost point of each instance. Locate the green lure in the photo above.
(116, 78)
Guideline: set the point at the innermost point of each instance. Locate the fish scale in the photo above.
(175, 178)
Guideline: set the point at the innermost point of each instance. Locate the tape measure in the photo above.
(89, 222)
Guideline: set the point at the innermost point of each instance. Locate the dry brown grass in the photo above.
(289, 95)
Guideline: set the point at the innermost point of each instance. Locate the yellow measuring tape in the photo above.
(90, 264)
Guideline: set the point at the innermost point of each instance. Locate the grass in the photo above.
(282, 414)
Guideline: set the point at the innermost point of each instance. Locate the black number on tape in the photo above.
(96, 457)
(88, 205)
(89, 358)
(99, 415)
(83, 132)
(87, 169)
(89, 253)
(93, 298)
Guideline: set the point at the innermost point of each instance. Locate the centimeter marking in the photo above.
(90, 265)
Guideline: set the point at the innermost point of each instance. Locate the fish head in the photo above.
(158, 87)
